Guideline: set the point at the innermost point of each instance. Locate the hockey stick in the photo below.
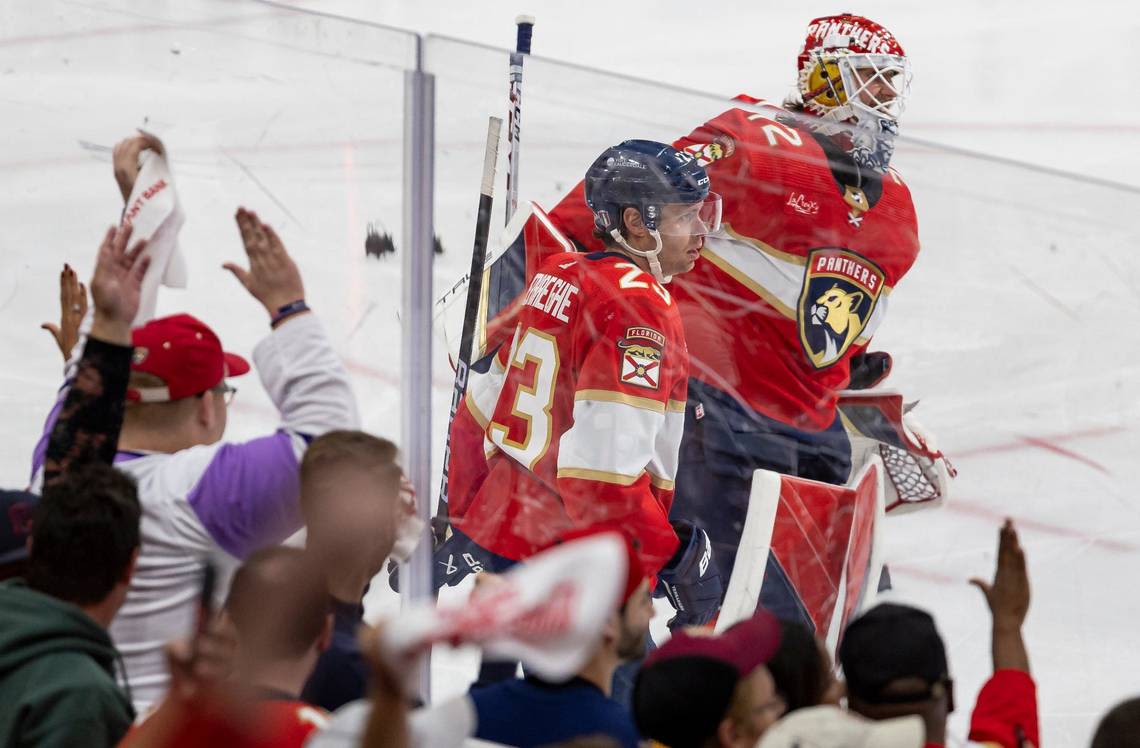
(525, 26)
(471, 313)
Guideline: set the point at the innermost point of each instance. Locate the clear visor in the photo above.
(695, 219)
(878, 84)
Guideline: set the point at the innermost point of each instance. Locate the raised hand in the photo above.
(1008, 594)
(72, 309)
(125, 159)
(1008, 600)
(272, 277)
(116, 285)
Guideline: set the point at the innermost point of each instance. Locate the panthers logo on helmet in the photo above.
(840, 291)
(821, 85)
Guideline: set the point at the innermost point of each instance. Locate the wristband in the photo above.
(285, 312)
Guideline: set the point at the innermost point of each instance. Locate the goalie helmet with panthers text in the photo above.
(853, 70)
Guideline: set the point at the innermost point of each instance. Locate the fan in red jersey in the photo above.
(780, 309)
(580, 416)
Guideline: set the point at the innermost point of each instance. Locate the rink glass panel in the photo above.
(1012, 330)
(296, 116)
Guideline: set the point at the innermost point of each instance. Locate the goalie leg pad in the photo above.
(692, 581)
(721, 448)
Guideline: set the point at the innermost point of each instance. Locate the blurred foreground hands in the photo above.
(116, 287)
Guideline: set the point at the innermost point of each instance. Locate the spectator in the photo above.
(1120, 728)
(528, 711)
(279, 606)
(699, 691)
(802, 669)
(350, 485)
(89, 419)
(895, 663)
(832, 727)
(534, 712)
(206, 500)
(240, 682)
(87, 428)
(57, 662)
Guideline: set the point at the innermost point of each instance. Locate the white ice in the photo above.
(1015, 328)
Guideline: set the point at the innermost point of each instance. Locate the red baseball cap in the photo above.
(183, 352)
(744, 645)
(685, 686)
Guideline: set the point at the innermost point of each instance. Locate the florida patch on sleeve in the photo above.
(641, 351)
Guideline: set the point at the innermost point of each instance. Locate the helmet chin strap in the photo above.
(652, 256)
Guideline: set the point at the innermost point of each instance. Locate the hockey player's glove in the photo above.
(452, 561)
(691, 580)
(869, 370)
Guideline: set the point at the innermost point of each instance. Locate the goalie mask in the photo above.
(648, 175)
(852, 71)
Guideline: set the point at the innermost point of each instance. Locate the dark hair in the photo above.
(797, 667)
(85, 530)
(278, 602)
(1120, 726)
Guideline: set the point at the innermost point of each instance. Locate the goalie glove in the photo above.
(869, 370)
(918, 473)
(455, 559)
(691, 580)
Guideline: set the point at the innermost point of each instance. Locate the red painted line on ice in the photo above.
(1121, 127)
(1049, 444)
(1051, 447)
(925, 574)
(1025, 442)
(976, 509)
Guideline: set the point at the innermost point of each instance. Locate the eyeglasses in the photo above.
(224, 390)
(227, 391)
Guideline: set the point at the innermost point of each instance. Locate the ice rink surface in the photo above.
(1015, 328)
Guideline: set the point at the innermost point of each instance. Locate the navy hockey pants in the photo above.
(719, 452)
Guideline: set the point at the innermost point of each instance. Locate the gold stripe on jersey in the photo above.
(609, 396)
(473, 409)
(765, 248)
(601, 476)
(742, 278)
(615, 478)
(675, 406)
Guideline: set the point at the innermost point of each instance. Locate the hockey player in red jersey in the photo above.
(581, 414)
(782, 305)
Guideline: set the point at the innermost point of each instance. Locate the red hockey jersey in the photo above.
(801, 276)
(580, 416)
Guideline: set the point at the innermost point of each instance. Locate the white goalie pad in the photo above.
(881, 425)
(823, 539)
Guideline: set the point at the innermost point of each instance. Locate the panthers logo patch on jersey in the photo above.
(840, 291)
(641, 352)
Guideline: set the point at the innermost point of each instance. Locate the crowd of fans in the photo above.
(150, 600)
